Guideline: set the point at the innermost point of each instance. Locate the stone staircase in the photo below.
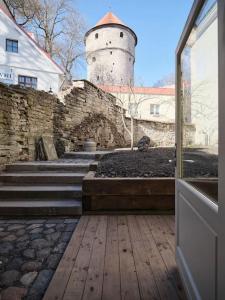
(43, 188)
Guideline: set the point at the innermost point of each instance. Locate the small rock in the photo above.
(2, 229)
(53, 261)
(3, 234)
(65, 237)
(15, 227)
(15, 263)
(5, 248)
(53, 237)
(50, 225)
(36, 230)
(34, 226)
(35, 236)
(9, 238)
(21, 232)
(22, 245)
(144, 144)
(40, 244)
(28, 278)
(23, 238)
(60, 227)
(70, 227)
(8, 278)
(69, 221)
(31, 266)
(60, 248)
(29, 253)
(13, 293)
(43, 253)
(48, 231)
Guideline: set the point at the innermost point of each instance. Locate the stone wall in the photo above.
(82, 112)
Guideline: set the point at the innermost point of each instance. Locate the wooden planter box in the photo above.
(156, 195)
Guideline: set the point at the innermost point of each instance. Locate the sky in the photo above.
(158, 25)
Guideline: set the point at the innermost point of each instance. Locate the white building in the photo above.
(146, 103)
(22, 60)
(110, 48)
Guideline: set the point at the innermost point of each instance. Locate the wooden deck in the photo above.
(119, 257)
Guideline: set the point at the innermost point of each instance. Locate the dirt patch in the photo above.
(157, 162)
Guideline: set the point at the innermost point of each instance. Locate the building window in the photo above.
(121, 34)
(98, 77)
(11, 46)
(26, 81)
(154, 109)
(93, 59)
(111, 52)
(96, 36)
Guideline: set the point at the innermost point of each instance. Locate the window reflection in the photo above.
(199, 66)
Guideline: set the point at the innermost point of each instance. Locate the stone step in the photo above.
(19, 207)
(40, 178)
(49, 167)
(97, 155)
(40, 192)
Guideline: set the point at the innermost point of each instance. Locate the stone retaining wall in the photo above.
(83, 112)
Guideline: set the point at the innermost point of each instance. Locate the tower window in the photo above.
(111, 52)
(93, 59)
(98, 77)
(121, 34)
(96, 36)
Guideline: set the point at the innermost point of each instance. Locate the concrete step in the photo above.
(40, 178)
(80, 167)
(97, 155)
(41, 192)
(19, 207)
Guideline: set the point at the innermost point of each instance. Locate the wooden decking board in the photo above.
(166, 252)
(111, 283)
(117, 258)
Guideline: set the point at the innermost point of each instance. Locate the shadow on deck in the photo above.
(119, 257)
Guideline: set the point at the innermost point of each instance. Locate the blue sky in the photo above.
(158, 25)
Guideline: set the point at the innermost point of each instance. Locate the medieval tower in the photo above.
(110, 52)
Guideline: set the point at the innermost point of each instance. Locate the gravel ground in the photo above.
(30, 251)
(157, 162)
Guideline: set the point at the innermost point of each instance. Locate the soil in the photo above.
(156, 162)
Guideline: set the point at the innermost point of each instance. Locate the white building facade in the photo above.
(146, 103)
(23, 61)
(110, 52)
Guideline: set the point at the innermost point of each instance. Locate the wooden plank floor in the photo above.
(119, 257)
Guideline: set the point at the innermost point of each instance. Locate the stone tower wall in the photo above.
(110, 57)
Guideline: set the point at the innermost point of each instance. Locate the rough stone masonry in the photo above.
(84, 112)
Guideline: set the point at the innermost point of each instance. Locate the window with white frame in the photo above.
(26, 81)
(11, 46)
(154, 109)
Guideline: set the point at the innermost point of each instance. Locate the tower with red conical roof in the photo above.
(110, 52)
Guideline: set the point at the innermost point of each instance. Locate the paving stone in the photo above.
(31, 266)
(70, 227)
(36, 230)
(40, 244)
(8, 278)
(3, 263)
(48, 231)
(65, 237)
(68, 221)
(16, 221)
(23, 238)
(15, 227)
(28, 278)
(3, 234)
(9, 238)
(60, 227)
(22, 245)
(13, 293)
(2, 229)
(53, 261)
(21, 232)
(15, 263)
(35, 236)
(5, 248)
(29, 253)
(34, 226)
(50, 225)
(40, 283)
(36, 221)
(53, 236)
(43, 253)
(60, 248)
(54, 221)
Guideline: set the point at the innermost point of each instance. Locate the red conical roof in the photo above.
(110, 18)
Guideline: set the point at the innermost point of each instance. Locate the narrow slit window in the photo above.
(121, 34)
(96, 36)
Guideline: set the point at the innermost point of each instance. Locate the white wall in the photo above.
(116, 68)
(29, 61)
(166, 103)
